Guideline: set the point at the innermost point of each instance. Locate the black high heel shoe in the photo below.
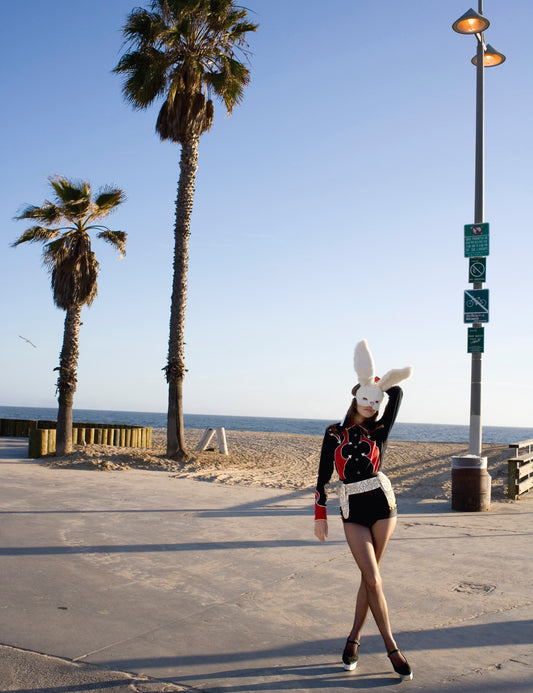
(350, 660)
(403, 670)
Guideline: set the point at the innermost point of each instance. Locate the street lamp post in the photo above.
(473, 22)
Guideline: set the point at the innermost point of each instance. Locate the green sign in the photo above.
(476, 340)
(476, 305)
(477, 269)
(476, 240)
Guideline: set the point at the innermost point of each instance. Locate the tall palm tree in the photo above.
(64, 225)
(184, 51)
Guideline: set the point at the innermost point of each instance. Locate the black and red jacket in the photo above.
(356, 452)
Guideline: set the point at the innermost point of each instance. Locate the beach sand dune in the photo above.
(290, 461)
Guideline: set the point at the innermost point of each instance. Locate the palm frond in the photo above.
(77, 210)
(115, 238)
(73, 197)
(48, 213)
(56, 251)
(230, 81)
(107, 200)
(35, 234)
(142, 27)
(70, 191)
(146, 76)
(237, 33)
(174, 9)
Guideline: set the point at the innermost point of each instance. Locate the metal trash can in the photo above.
(471, 484)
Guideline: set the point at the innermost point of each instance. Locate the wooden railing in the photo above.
(520, 469)
(42, 435)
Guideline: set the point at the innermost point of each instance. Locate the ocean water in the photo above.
(435, 433)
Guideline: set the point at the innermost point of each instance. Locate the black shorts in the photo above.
(369, 507)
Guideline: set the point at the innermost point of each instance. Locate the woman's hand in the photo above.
(321, 529)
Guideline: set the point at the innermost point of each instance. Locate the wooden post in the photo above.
(221, 438)
(51, 440)
(205, 439)
(513, 476)
(34, 443)
(44, 442)
(21, 429)
(512, 480)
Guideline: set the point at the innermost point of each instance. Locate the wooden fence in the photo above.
(17, 428)
(520, 469)
(42, 435)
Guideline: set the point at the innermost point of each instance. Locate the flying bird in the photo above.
(27, 340)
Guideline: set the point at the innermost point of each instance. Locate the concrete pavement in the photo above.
(141, 581)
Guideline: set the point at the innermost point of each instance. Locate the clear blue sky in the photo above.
(329, 207)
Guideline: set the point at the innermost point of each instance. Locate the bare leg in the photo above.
(361, 612)
(368, 546)
(361, 605)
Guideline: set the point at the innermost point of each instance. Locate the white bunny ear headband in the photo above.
(371, 389)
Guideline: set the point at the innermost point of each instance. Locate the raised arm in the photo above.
(395, 395)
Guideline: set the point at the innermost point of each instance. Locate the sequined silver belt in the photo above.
(379, 481)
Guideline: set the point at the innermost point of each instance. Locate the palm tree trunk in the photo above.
(66, 383)
(175, 369)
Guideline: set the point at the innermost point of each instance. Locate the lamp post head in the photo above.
(471, 23)
(491, 57)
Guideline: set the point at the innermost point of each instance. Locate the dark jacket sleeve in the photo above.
(325, 470)
(386, 422)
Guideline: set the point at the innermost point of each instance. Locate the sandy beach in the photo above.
(290, 461)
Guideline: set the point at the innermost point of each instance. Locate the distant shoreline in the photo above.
(445, 433)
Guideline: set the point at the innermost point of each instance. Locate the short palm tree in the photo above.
(184, 51)
(64, 225)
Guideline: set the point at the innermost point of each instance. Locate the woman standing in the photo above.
(355, 448)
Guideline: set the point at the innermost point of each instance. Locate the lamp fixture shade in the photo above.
(471, 23)
(491, 57)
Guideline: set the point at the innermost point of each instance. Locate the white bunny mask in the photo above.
(371, 389)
